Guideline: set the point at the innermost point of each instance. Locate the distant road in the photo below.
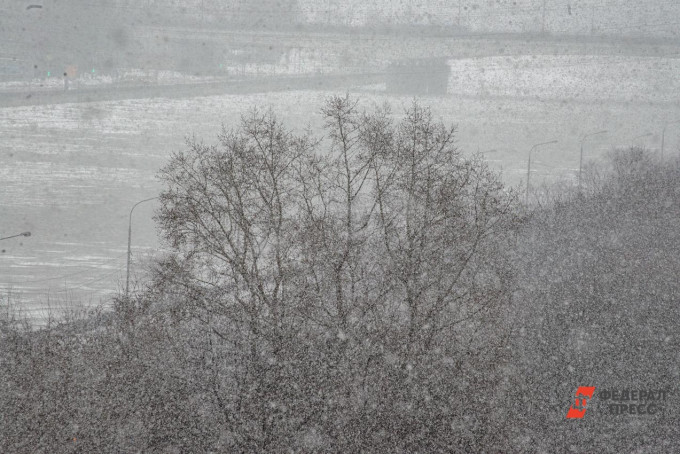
(228, 86)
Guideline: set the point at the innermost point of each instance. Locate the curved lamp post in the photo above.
(526, 199)
(580, 161)
(663, 133)
(14, 236)
(632, 141)
(129, 250)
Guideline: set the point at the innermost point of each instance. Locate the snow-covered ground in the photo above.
(568, 77)
(71, 172)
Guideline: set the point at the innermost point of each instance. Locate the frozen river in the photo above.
(71, 172)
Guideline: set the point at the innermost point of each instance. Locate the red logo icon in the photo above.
(578, 408)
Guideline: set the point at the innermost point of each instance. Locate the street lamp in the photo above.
(663, 133)
(529, 166)
(129, 250)
(632, 141)
(580, 161)
(14, 236)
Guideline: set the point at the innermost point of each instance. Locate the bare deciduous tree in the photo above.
(368, 264)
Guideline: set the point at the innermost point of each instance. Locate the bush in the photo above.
(599, 306)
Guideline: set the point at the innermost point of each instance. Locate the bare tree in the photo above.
(368, 264)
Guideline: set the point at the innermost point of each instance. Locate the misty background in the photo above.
(96, 95)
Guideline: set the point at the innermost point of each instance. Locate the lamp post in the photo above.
(663, 133)
(580, 161)
(632, 141)
(14, 236)
(526, 200)
(459, 13)
(543, 19)
(129, 250)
